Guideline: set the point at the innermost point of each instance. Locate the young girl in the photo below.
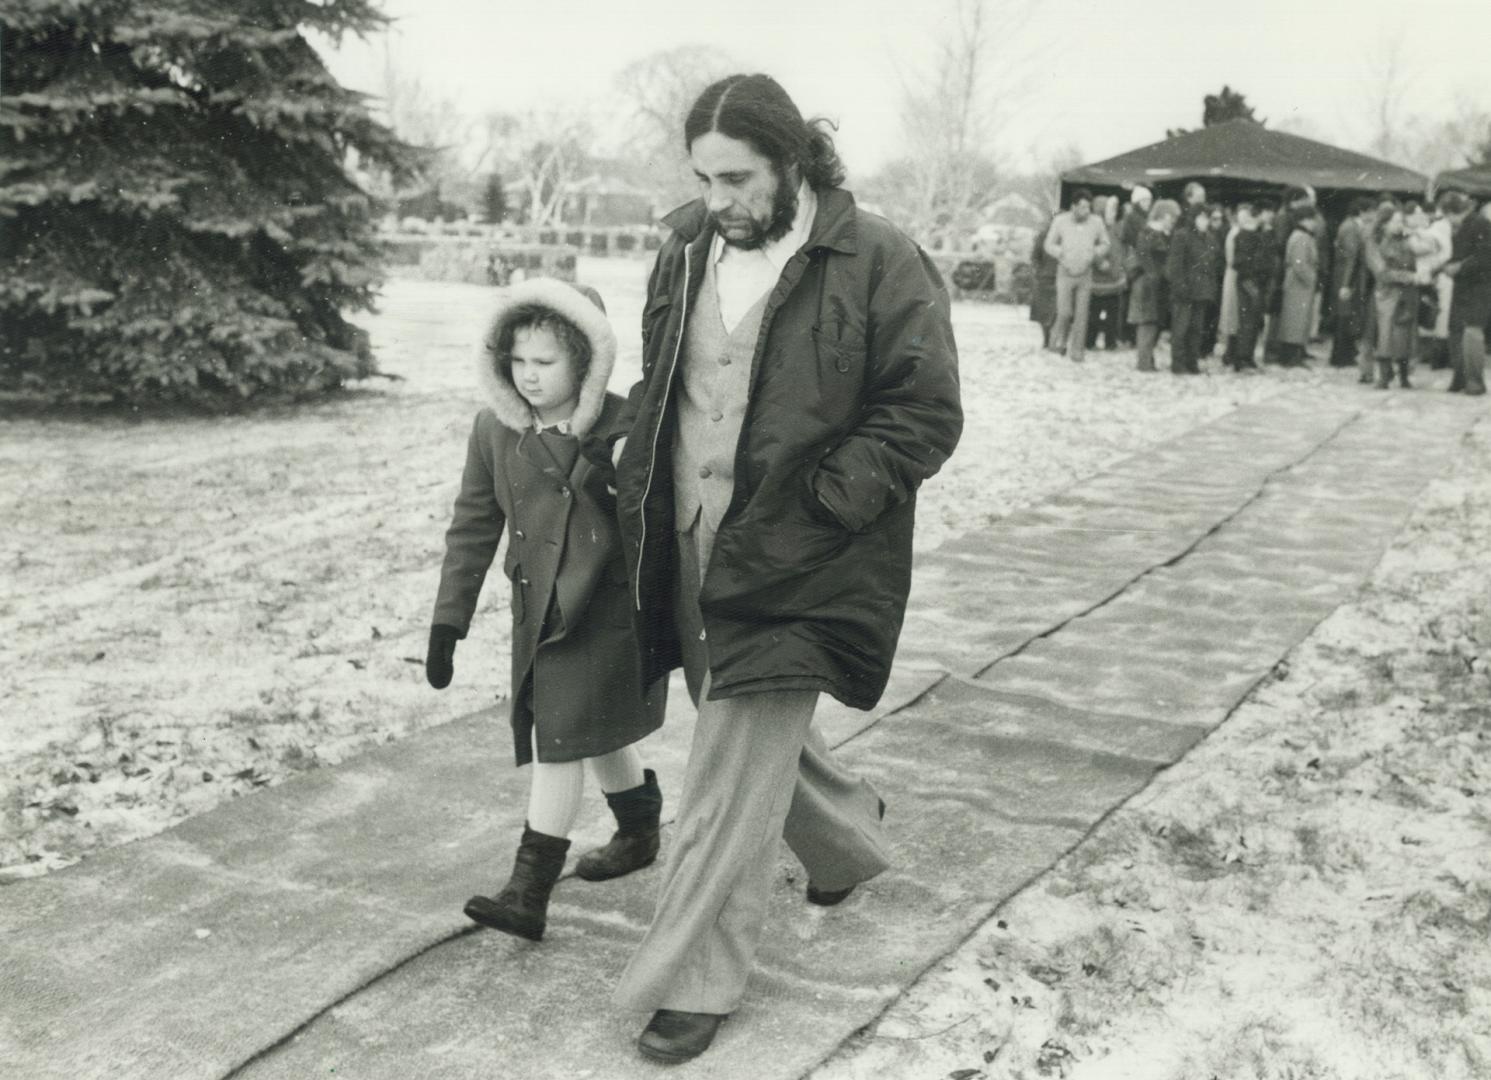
(576, 690)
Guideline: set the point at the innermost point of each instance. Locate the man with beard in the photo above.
(799, 382)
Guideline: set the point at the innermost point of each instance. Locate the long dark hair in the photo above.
(756, 110)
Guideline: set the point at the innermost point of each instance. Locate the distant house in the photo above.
(595, 202)
(598, 201)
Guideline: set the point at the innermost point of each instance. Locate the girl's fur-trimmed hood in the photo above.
(576, 306)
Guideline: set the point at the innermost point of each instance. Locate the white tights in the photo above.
(554, 798)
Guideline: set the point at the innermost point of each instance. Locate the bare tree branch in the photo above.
(953, 115)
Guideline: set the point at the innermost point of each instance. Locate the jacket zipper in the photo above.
(658, 429)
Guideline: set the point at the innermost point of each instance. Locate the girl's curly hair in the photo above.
(538, 317)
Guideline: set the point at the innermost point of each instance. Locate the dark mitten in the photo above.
(600, 485)
(597, 450)
(440, 661)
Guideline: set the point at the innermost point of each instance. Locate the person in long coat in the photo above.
(799, 383)
(1350, 282)
(1297, 297)
(1470, 307)
(1252, 265)
(1211, 310)
(1297, 202)
(577, 690)
(1394, 296)
(1194, 283)
(1227, 312)
(1135, 214)
(1148, 296)
(1043, 286)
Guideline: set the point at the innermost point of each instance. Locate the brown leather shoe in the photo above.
(674, 1037)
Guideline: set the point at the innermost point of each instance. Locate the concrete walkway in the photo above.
(1049, 666)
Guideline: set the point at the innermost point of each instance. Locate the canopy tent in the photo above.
(1242, 159)
(1475, 181)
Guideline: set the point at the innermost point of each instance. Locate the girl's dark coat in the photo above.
(564, 554)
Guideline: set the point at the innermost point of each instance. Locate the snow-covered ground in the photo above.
(1306, 895)
(194, 608)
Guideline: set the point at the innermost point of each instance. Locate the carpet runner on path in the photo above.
(1049, 666)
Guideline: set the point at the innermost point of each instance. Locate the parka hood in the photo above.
(585, 310)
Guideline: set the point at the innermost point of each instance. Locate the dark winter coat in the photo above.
(1043, 280)
(1253, 258)
(853, 403)
(574, 653)
(1471, 301)
(1131, 226)
(1192, 266)
(1148, 294)
(1348, 267)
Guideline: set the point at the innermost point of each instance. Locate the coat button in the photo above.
(704, 472)
(717, 416)
(564, 491)
(701, 635)
(724, 361)
(519, 534)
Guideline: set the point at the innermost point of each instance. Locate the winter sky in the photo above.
(1102, 77)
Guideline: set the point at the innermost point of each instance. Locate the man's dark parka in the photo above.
(853, 403)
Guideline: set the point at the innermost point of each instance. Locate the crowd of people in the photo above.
(1399, 280)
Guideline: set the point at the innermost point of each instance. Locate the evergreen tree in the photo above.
(1229, 104)
(182, 218)
(1218, 108)
(494, 208)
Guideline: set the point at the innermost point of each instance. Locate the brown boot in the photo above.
(638, 812)
(1384, 374)
(1403, 375)
(521, 908)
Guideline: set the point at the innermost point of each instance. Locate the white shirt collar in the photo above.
(562, 427)
(781, 250)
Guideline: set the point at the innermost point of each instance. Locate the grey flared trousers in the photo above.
(758, 770)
